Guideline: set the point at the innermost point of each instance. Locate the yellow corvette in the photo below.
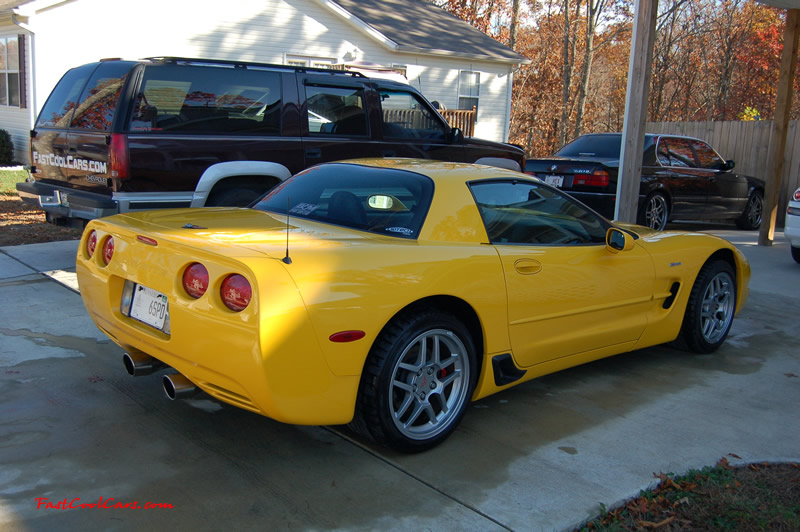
(390, 293)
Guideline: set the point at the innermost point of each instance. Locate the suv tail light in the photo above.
(195, 280)
(797, 195)
(118, 156)
(236, 292)
(598, 178)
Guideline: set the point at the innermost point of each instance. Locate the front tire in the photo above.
(796, 254)
(417, 382)
(655, 213)
(710, 310)
(750, 219)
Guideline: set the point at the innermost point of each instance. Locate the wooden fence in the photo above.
(747, 143)
(461, 118)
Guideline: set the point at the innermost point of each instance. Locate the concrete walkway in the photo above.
(541, 456)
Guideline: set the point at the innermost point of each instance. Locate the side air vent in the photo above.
(505, 371)
(673, 291)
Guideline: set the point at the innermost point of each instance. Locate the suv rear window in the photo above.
(99, 99)
(179, 98)
(57, 110)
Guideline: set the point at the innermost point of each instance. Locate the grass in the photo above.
(9, 180)
(747, 498)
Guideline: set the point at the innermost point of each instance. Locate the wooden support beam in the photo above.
(630, 158)
(780, 126)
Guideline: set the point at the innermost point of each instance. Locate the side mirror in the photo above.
(456, 136)
(729, 164)
(617, 240)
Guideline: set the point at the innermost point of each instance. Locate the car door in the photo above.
(567, 293)
(728, 191)
(687, 183)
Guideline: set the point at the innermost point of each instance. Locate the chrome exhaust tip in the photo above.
(138, 364)
(176, 386)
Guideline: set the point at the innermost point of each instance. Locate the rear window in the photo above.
(213, 100)
(99, 98)
(386, 201)
(603, 146)
(57, 110)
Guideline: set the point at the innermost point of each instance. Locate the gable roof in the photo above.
(417, 26)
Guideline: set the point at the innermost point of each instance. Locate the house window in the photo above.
(469, 89)
(313, 62)
(10, 93)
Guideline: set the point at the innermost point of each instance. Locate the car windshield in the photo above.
(606, 146)
(379, 200)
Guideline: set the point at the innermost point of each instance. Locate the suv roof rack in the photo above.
(248, 64)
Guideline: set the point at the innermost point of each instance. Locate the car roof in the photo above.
(442, 171)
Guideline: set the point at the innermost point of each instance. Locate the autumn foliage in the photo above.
(713, 60)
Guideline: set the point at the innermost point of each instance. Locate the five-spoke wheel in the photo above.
(710, 310)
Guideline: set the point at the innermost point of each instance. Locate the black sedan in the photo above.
(683, 178)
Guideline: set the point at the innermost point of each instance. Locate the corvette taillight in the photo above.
(598, 178)
(195, 280)
(108, 249)
(91, 243)
(236, 292)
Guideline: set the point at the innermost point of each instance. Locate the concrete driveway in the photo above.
(542, 456)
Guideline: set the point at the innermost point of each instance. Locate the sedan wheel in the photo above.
(417, 382)
(710, 310)
(753, 211)
(656, 212)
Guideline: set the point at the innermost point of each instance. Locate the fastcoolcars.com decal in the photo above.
(87, 165)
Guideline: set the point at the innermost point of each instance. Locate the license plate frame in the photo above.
(149, 306)
(554, 180)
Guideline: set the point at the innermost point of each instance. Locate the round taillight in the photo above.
(236, 292)
(195, 280)
(108, 250)
(91, 243)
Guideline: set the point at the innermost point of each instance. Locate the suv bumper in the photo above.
(64, 202)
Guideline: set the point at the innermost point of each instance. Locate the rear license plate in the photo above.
(149, 306)
(555, 180)
(63, 199)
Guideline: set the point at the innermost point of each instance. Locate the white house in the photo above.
(448, 60)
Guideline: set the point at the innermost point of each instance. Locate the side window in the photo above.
(213, 100)
(336, 111)
(680, 152)
(57, 110)
(99, 99)
(521, 212)
(706, 155)
(406, 116)
(663, 153)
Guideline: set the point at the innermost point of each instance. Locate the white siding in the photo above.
(18, 121)
(83, 31)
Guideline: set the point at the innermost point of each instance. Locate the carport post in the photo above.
(630, 157)
(780, 126)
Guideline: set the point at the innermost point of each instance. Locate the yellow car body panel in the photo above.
(550, 307)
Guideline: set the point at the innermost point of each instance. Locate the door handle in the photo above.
(527, 266)
(314, 153)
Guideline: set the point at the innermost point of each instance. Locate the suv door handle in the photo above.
(314, 153)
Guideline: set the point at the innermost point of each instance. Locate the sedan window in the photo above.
(379, 200)
(706, 155)
(522, 212)
(679, 152)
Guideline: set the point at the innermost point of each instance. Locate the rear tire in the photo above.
(417, 382)
(750, 219)
(796, 253)
(655, 212)
(710, 310)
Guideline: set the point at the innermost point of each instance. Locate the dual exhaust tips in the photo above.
(175, 385)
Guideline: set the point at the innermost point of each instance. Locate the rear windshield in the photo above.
(605, 146)
(99, 98)
(379, 200)
(57, 110)
(204, 99)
